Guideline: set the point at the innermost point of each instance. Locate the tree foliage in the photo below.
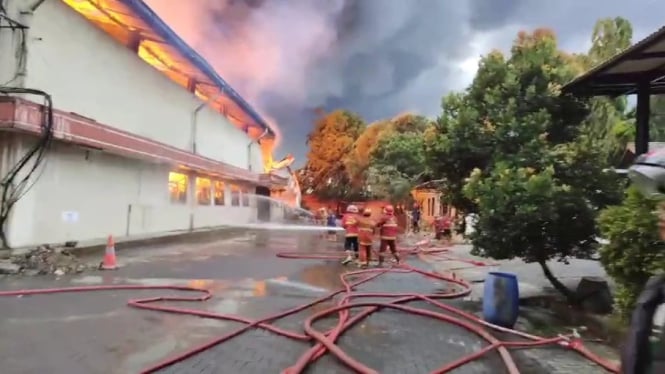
(657, 120)
(610, 36)
(609, 126)
(510, 149)
(634, 251)
(398, 162)
(331, 141)
(358, 160)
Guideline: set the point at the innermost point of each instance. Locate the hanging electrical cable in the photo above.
(20, 177)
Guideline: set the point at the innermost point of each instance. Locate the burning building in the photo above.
(111, 124)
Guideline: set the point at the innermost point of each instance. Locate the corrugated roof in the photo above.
(619, 75)
(166, 51)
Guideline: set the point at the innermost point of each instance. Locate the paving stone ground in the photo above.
(97, 333)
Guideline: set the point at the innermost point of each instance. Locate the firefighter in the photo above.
(388, 230)
(366, 228)
(438, 227)
(442, 228)
(350, 224)
(319, 217)
(415, 218)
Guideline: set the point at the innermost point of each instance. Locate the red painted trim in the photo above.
(273, 181)
(26, 116)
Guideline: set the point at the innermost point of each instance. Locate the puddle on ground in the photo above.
(135, 362)
(59, 319)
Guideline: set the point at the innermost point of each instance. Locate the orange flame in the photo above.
(113, 18)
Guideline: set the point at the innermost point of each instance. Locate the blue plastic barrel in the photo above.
(501, 299)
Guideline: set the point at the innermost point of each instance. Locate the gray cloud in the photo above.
(377, 57)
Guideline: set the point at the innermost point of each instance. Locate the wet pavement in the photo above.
(96, 332)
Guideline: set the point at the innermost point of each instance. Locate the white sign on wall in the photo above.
(70, 216)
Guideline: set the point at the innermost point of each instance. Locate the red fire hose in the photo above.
(324, 342)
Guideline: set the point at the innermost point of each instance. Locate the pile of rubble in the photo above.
(43, 260)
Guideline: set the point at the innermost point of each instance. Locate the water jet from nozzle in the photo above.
(277, 215)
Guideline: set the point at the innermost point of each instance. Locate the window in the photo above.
(245, 197)
(178, 187)
(235, 195)
(203, 191)
(444, 209)
(219, 193)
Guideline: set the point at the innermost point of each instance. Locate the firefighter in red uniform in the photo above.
(350, 224)
(442, 228)
(388, 227)
(366, 227)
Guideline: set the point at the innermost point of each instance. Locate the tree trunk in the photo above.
(568, 294)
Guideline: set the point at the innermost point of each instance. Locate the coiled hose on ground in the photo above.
(325, 342)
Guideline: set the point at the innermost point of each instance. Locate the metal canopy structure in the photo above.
(642, 63)
(639, 70)
(135, 25)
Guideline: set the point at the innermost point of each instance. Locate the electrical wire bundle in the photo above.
(16, 182)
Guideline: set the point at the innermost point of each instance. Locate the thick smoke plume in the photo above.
(378, 57)
(289, 57)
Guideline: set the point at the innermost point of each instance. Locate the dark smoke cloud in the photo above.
(377, 57)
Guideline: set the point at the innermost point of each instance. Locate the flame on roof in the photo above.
(132, 21)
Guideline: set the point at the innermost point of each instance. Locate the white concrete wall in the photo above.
(256, 160)
(107, 194)
(89, 73)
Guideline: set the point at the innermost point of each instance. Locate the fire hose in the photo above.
(325, 342)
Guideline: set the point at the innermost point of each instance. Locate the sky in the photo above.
(289, 58)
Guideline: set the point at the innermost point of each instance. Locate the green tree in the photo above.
(325, 173)
(609, 127)
(610, 36)
(515, 156)
(410, 123)
(634, 251)
(358, 160)
(464, 133)
(369, 164)
(657, 120)
(397, 165)
(398, 161)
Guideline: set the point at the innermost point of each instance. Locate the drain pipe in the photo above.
(195, 116)
(249, 148)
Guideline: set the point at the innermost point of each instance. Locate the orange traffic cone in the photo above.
(110, 262)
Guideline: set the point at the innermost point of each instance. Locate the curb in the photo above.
(126, 243)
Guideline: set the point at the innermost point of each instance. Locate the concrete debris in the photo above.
(8, 268)
(43, 260)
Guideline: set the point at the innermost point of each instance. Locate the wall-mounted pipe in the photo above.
(36, 5)
(195, 115)
(249, 148)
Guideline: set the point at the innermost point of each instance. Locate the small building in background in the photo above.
(128, 130)
(428, 197)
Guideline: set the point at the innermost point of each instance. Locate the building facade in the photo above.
(145, 137)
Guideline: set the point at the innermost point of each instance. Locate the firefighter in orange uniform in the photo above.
(350, 224)
(388, 231)
(366, 227)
